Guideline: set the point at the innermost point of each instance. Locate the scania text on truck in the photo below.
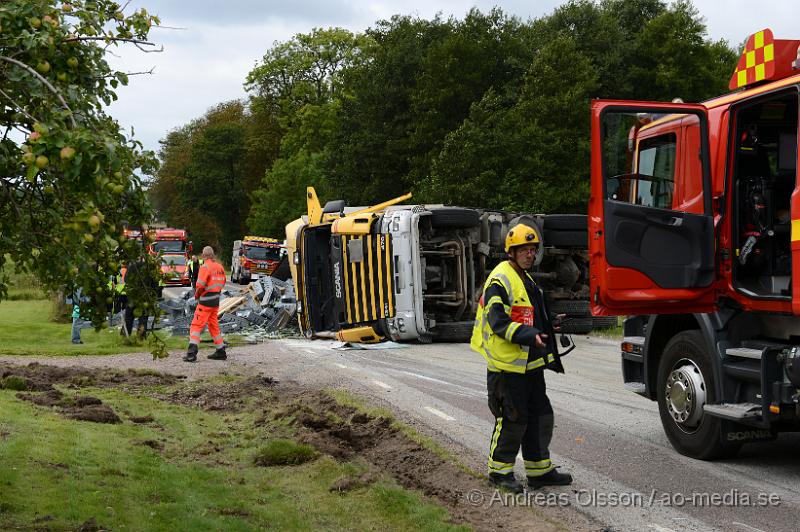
(694, 233)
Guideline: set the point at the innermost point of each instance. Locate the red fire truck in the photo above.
(254, 256)
(175, 249)
(694, 234)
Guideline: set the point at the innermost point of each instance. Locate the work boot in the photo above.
(551, 478)
(219, 354)
(191, 354)
(506, 482)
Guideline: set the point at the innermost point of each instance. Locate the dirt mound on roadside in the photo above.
(80, 407)
(345, 433)
(42, 377)
(232, 396)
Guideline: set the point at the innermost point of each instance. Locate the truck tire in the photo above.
(566, 239)
(685, 383)
(577, 326)
(566, 222)
(571, 307)
(456, 332)
(454, 217)
(604, 322)
(243, 280)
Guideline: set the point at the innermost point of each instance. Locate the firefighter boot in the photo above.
(551, 478)
(506, 482)
(191, 354)
(219, 354)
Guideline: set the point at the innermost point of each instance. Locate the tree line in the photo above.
(486, 111)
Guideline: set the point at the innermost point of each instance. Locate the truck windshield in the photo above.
(259, 253)
(170, 246)
(173, 260)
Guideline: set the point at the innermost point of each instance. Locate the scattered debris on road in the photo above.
(265, 309)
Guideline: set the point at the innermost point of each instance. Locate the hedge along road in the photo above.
(627, 475)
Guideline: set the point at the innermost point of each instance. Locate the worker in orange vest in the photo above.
(210, 282)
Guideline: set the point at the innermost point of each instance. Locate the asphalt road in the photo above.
(628, 477)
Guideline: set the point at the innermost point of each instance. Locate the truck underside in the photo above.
(424, 282)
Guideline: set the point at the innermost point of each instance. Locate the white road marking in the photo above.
(425, 377)
(746, 526)
(382, 384)
(660, 528)
(340, 365)
(439, 413)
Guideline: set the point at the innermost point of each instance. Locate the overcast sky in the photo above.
(218, 43)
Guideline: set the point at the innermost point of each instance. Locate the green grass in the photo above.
(284, 452)
(26, 329)
(22, 286)
(185, 470)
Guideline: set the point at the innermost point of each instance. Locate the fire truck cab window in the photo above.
(764, 174)
(656, 172)
(259, 253)
(169, 246)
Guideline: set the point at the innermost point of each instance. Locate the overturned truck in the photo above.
(416, 272)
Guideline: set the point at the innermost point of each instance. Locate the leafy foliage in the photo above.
(485, 111)
(68, 174)
(209, 167)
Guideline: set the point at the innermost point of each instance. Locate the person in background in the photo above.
(194, 270)
(210, 282)
(75, 299)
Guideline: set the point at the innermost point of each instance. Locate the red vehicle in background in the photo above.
(174, 268)
(254, 256)
(694, 234)
(170, 240)
(175, 249)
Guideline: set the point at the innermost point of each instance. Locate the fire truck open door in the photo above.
(651, 228)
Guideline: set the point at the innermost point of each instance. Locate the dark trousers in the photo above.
(523, 418)
(128, 326)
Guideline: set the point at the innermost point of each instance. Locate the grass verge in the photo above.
(174, 467)
(26, 329)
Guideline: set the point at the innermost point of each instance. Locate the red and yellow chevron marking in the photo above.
(757, 62)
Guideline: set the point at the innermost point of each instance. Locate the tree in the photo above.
(525, 151)
(210, 166)
(301, 81)
(68, 174)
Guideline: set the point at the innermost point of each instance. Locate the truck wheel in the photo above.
(604, 322)
(566, 239)
(457, 331)
(454, 217)
(570, 307)
(686, 383)
(244, 280)
(566, 222)
(577, 326)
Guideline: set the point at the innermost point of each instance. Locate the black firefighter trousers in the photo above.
(523, 417)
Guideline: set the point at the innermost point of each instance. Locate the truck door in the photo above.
(651, 227)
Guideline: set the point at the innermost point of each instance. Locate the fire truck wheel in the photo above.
(686, 383)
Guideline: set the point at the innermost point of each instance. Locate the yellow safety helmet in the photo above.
(521, 234)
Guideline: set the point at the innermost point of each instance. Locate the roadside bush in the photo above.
(284, 452)
(13, 382)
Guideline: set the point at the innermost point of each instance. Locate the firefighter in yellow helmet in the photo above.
(510, 333)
